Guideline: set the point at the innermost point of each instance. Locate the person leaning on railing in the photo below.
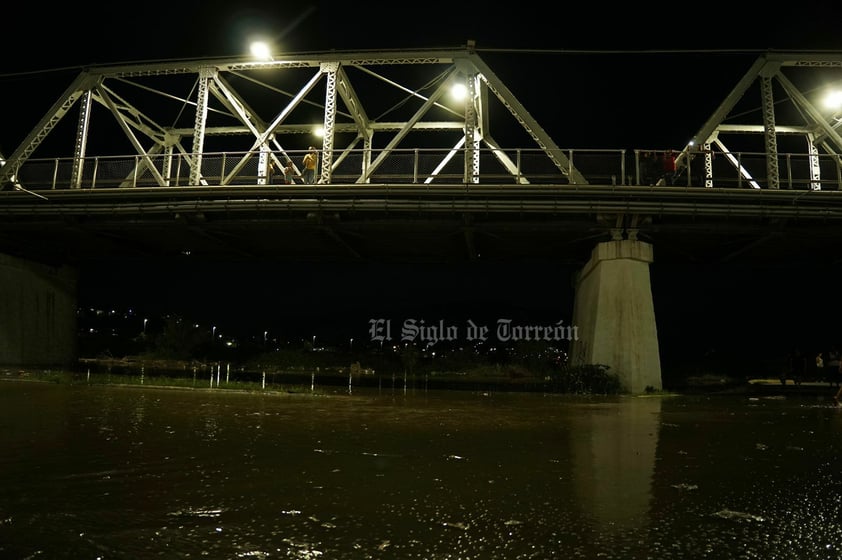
(289, 173)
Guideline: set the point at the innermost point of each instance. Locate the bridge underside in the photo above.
(416, 225)
(335, 237)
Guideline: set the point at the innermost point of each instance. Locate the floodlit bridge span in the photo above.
(404, 169)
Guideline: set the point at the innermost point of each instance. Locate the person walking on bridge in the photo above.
(668, 166)
(310, 161)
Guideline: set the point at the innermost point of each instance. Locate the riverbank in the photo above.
(770, 386)
(190, 375)
(286, 382)
(586, 379)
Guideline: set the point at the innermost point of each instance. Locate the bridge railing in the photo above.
(412, 166)
(795, 171)
(443, 167)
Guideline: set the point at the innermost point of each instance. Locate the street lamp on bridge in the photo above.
(833, 99)
(260, 50)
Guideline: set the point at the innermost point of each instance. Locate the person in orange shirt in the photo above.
(310, 161)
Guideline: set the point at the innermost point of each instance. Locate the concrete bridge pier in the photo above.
(37, 313)
(615, 315)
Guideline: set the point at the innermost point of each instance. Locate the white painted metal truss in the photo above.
(786, 106)
(174, 115)
(372, 102)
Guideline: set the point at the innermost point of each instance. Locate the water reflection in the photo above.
(614, 460)
(140, 472)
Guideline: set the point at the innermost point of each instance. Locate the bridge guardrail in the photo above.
(796, 171)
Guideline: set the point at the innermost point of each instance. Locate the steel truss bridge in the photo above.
(174, 158)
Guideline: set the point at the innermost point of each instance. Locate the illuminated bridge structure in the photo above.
(174, 159)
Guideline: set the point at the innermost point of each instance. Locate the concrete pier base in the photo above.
(37, 313)
(615, 315)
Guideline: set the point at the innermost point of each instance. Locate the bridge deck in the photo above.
(395, 222)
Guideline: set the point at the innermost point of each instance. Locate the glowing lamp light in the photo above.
(260, 50)
(459, 92)
(833, 100)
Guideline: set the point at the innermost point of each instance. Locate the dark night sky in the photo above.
(610, 60)
(630, 75)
